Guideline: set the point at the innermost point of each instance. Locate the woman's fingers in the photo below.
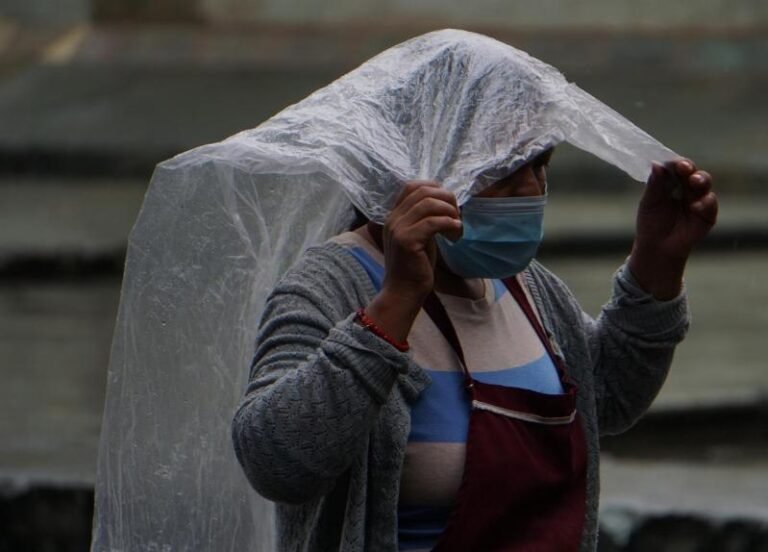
(414, 192)
(422, 210)
(679, 179)
(411, 187)
(657, 188)
(426, 228)
(706, 208)
(700, 198)
(429, 207)
(700, 183)
(697, 188)
(682, 167)
(414, 238)
(422, 201)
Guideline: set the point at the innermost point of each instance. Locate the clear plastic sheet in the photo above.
(221, 223)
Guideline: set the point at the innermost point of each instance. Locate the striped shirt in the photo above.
(500, 347)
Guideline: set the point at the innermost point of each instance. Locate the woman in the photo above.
(360, 443)
(341, 427)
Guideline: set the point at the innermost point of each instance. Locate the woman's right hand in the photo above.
(422, 210)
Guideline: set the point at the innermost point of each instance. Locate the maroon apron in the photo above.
(524, 482)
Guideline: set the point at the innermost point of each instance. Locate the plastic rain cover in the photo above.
(221, 223)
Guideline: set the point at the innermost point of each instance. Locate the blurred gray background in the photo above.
(93, 93)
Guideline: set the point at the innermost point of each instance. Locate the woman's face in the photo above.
(528, 180)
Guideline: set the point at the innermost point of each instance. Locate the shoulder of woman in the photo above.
(550, 288)
(327, 272)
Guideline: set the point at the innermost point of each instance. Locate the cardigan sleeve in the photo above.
(623, 356)
(632, 343)
(316, 384)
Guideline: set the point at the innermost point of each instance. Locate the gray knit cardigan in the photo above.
(324, 423)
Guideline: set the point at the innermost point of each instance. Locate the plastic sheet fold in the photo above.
(222, 222)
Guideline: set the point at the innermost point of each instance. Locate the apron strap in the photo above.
(514, 287)
(436, 312)
(439, 316)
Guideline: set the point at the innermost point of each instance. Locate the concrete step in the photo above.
(721, 361)
(714, 490)
(54, 217)
(54, 346)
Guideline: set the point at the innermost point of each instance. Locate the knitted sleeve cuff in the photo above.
(639, 314)
(375, 362)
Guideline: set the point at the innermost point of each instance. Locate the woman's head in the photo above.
(502, 225)
(528, 180)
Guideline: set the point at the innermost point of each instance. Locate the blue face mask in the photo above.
(501, 236)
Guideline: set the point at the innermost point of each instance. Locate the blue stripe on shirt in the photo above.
(499, 289)
(374, 270)
(441, 413)
(419, 527)
(538, 375)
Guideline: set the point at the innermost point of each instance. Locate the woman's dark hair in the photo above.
(359, 220)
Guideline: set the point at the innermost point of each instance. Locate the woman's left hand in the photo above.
(677, 211)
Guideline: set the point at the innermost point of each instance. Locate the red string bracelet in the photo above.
(371, 326)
